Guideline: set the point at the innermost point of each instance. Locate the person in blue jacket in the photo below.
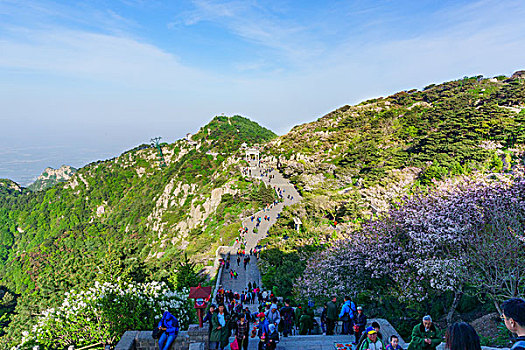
(263, 330)
(170, 325)
(347, 315)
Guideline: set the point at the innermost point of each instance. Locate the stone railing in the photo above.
(221, 253)
(194, 339)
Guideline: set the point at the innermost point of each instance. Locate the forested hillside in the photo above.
(129, 217)
(352, 164)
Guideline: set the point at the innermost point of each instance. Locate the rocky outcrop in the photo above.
(9, 186)
(51, 177)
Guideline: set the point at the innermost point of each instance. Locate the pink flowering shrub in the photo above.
(427, 244)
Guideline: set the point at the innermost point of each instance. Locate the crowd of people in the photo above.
(271, 320)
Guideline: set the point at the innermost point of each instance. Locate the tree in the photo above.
(186, 275)
(496, 257)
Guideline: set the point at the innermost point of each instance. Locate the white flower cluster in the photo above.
(86, 308)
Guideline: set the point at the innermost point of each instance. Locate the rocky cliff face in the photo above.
(51, 177)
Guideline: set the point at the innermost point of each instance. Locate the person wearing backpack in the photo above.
(287, 316)
(347, 315)
(514, 317)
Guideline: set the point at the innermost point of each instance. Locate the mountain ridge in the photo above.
(132, 216)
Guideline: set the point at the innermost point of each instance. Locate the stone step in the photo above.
(307, 342)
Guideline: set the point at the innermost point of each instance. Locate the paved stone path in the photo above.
(252, 239)
(252, 274)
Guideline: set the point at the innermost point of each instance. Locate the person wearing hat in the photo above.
(372, 342)
(375, 325)
(262, 329)
(273, 316)
(273, 337)
(360, 324)
(425, 336)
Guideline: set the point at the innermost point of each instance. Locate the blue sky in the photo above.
(85, 80)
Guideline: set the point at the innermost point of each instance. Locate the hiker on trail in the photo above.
(347, 315)
(425, 336)
(287, 317)
(235, 274)
(461, 336)
(394, 343)
(273, 316)
(238, 260)
(220, 332)
(242, 330)
(231, 274)
(262, 330)
(359, 324)
(331, 315)
(372, 341)
(323, 319)
(306, 322)
(208, 317)
(514, 317)
(170, 325)
(273, 337)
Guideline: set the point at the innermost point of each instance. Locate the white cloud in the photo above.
(93, 56)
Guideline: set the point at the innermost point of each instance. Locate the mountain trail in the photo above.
(286, 190)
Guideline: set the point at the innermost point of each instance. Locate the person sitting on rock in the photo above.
(170, 325)
(425, 336)
(372, 341)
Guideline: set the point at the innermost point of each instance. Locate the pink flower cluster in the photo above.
(421, 245)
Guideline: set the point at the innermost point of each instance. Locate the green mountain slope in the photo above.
(354, 162)
(127, 217)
